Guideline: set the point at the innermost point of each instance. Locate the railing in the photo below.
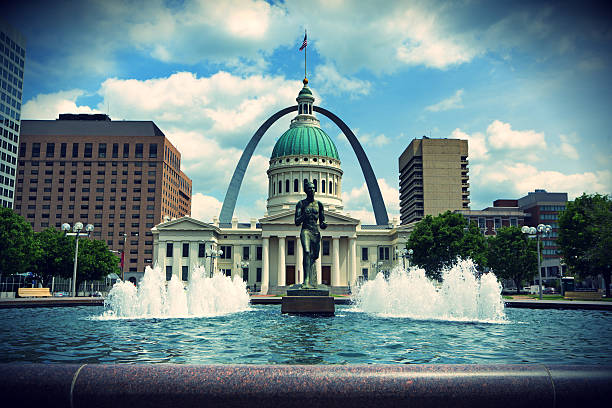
(10, 284)
(171, 385)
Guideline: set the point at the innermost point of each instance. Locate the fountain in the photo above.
(203, 296)
(460, 297)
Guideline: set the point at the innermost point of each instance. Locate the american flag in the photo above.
(304, 43)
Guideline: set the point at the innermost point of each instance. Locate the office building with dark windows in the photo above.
(12, 63)
(542, 207)
(123, 177)
(433, 178)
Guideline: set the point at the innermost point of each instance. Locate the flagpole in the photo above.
(305, 50)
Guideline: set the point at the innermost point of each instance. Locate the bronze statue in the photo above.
(309, 213)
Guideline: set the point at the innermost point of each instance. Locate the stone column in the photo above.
(281, 261)
(335, 278)
(299, 262)
(265, 265)
(318, 265)
(353, 260)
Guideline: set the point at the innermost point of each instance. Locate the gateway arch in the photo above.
(231, 196)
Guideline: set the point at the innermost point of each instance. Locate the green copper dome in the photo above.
(305, 140)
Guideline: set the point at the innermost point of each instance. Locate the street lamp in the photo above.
(376, 266)
(541, 230)
(243, 265)
(124, 235)
(213, 253)
(404, 253)
(78, 227)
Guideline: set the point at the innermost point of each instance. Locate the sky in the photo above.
(528, 85)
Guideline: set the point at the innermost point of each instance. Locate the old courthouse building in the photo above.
(123, 177)
(267, 252)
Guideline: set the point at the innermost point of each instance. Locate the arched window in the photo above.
(330, 187)
(300, 109)
(314, 181)
(322, 186)
(310, 109)
(287, 186)
(296, 185)
(280, 187)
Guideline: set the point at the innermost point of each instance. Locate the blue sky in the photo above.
(527, 83)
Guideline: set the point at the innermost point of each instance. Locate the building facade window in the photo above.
(364, 254)
(169, 249)
(185, 250)
(185, 273)
(168, 272)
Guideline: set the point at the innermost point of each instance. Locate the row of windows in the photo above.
(36, 163)
(88, 150)
(296, 186)
(549, 217)
(552, 208)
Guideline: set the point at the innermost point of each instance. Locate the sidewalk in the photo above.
(51, 302)
(527, 303)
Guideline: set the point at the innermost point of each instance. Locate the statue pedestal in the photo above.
(312, 302)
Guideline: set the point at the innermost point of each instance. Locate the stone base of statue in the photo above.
(312, 301)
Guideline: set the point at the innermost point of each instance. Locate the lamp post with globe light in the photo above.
(213, 253)
(404, 253)
(541, 230)
(78, 227)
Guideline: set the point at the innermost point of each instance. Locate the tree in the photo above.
(16, 242)
(95, 260)
(585, 236)
(512, 255)
(54, 254)
(438, 241)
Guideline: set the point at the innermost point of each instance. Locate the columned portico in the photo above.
(353, 260)
(281, 261)
(265, 265)
(335, 281)
(299, 260)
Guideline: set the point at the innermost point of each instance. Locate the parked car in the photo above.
(548, 291)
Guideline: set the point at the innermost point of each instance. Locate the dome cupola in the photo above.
(304, 152)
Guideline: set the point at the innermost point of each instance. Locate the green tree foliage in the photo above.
(438, 241)
(95, 260)
(16, 243)
(512, 255)
(54, 254)
(585, 236)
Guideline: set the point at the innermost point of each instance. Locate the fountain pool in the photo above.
(402, 320)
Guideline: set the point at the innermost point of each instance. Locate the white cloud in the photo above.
(223, 106)
(452, 102)
(566, 148)
(477, 145)
(500, 135)
(49, 106)
(366, 139)
(205, 207)
(520, 178)
(357, 202)
(224, 32)
(329, 81)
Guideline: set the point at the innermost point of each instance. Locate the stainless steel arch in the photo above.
(229, 203)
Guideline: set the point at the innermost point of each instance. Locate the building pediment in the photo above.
(186, 224)
(288, 217)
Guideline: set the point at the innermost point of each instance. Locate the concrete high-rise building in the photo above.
(12, 62)
(123, 177)
(433, 177)
(542, 207)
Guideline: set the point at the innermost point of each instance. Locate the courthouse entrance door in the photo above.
(326, 275)
(290, 275)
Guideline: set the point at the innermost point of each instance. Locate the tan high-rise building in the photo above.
(433, 178)
(123, 177)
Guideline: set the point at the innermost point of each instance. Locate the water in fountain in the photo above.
(461, 296)
(154, 298)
